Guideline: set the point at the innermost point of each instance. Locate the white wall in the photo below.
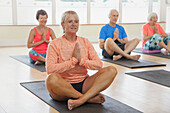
(18, 35)
(167, 18)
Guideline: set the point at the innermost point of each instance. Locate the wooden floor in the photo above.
(140, 94)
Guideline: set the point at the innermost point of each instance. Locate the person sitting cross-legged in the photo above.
(68, 59)
(113, 40)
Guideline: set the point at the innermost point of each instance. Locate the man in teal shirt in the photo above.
(114, 42)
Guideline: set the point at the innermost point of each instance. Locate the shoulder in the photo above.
(32, 31)
(158, 25)
(56, 41)
(119, 26)
(145, 26)
(51, 30)
(48, 28)
(105, 26)
(84, 40)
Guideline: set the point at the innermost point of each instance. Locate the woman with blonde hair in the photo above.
(68, 59)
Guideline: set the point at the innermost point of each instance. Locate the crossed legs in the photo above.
(157, 42)
(167, 47)
(111, 47)
(40, 60)
(61, 90)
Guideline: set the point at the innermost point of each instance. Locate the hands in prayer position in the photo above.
(76, 52)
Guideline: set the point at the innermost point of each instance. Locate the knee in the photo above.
(156, 36)
(136, 40)
(108, 40)
(52, 80)
(168, 37)
(112, 71)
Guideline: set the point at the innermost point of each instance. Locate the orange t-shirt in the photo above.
(41, 48)
(59, 59)
(147, 30)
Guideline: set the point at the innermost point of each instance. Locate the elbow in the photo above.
(101, 46)
(100, 65)
(28, 46)
(48, 70)
(144, 39)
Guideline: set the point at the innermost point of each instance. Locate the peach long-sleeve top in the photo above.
(59, 59)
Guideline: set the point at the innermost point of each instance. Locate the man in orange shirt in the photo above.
(68, 59)
(154, 37)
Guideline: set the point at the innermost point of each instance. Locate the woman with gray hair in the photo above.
(154, 37)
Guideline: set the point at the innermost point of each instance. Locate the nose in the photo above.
(44, 19)
(73, 23)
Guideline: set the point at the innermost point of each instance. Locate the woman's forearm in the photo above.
(35, 44)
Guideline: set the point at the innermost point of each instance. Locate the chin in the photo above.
(73, 32)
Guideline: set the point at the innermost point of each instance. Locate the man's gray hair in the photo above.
(111, 12)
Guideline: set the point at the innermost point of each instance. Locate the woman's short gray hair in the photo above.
(152, 14)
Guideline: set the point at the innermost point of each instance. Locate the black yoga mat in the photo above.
(157, 76)
(25, 59)
(132, 63)
(139, 50)
(110, 106)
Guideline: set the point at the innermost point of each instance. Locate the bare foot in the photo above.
(38, 62)
(116, 57)
(165, 53)
(74, 103)
(97, 99)
(135, 57)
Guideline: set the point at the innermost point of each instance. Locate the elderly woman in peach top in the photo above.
(68, 59)
(154, 37)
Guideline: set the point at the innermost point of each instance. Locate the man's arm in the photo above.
(101, 43)
(124, 40)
